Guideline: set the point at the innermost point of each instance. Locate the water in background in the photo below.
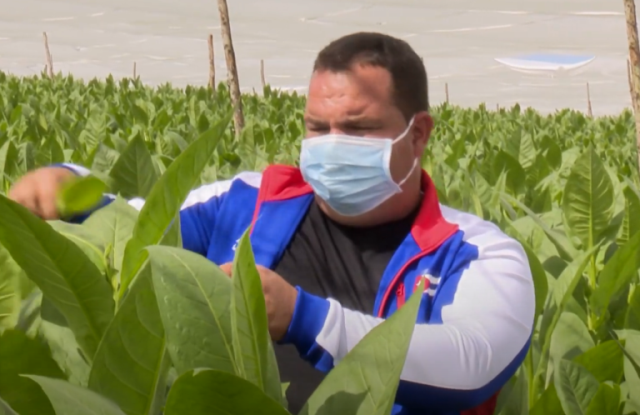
(483, 50)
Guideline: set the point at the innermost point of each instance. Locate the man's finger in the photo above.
(48, 208)
(227, 268)
(31, 203)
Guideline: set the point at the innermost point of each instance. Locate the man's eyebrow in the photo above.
(347, 122)
(354, 122)
(312, 120)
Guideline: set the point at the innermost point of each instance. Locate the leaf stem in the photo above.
(531, 377)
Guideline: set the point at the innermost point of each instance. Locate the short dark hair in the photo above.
(407, 70)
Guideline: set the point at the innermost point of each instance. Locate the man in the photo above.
(343, 241)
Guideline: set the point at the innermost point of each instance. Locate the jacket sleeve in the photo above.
(197, 215)
(453, 366)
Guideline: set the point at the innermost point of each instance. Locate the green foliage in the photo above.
(205, 392)
(21, 355)
(119, 316)
(195, 309)
(79, 195)
(164, 201)
(254, 355)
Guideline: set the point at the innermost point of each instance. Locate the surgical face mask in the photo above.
(351, 174)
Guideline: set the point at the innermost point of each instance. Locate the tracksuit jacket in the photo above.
(476, 317)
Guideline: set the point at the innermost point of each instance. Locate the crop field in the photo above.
(113, 316)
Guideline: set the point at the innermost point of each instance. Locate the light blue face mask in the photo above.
(351, 174)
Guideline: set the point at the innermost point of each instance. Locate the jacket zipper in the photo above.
(400, 296)
(394, 281)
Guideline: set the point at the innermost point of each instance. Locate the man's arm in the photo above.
(197, 215)
(456, 365)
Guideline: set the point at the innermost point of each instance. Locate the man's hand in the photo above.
(37, 190)
(279, 297)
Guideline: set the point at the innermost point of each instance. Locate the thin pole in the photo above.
(634, 58)
(633, 97)
(234, 84)
(48, 56)
(589, 109)
(212, 65)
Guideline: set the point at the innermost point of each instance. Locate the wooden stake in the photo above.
(212, 65)
(630, 80)
(264, 83)
(589, 109)
(236, 98)
(446, 91)
(48, 56)
(134, 70)
(634, 58)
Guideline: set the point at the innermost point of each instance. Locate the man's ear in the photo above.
(423, 126)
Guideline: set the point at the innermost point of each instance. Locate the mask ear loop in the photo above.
(415, 161)
(404, 133)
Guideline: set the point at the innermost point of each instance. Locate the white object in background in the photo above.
(550, 64)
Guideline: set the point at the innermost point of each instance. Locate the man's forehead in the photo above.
(354, 94)
(371, 81)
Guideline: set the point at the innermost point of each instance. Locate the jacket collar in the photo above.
(429, 230)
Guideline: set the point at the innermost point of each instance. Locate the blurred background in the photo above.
(472, 47)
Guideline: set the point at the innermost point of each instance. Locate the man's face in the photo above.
(359, 102)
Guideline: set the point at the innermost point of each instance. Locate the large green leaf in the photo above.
(253, 350)
(603, 361)
(133, 174)
(10, 295)
(367, 379)
(576, 387)
(567, 282)
(114, 223)
(517, 402)
(194, 298)
(605, 401)
(505, 163)
(562, 293)
(61, 270)
(5, 409)
(562, 244)
(588, 199)
(631, 362)
(173, 236)
(66, 352)
(131, 364)
(528, 152)
(631, 221)
(79, 195)
(632, 319)
(539, 279)
(85, 239)
(50, 153)
(69, 399)
(166, 198)
(20, 355)
(617, 273)
(569, 339)
(208, 392)
(548, 403)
